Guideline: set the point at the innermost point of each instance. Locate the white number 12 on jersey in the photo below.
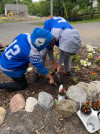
(13, 51)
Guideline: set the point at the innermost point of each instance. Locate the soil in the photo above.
(46, 121)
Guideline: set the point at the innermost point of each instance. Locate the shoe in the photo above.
(35, 77)
(70, 74)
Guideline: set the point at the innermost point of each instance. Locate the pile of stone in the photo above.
(74, 95)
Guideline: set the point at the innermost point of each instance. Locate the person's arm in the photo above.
(61, 60)
(37, 61)
(51, 80)
(51, 56)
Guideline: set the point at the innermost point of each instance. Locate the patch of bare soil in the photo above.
(46, 121)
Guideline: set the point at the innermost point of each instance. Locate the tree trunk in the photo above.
(91, 9)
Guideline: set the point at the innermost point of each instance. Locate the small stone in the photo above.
(2, 114)
(30, 104)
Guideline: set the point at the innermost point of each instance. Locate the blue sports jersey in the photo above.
(15, 58)
(57, 22)
(55, 25)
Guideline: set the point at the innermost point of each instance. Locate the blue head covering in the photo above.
(41, 38)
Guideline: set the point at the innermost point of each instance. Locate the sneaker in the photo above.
(70, 74)
(35, 77)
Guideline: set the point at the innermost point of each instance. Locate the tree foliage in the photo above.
(2, 4)
(65, 8)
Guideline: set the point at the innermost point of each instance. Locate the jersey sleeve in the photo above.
(37, 61)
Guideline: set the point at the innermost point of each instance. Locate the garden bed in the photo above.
(82, 74)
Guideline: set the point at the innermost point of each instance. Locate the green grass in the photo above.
(4, 21)
(86, 21)
(75, 22)
(38, 23)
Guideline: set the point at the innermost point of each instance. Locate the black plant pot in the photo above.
(85, 112)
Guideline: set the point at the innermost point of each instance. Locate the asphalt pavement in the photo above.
(90, 32)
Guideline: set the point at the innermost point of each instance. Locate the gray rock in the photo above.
(96, 84)
(76, 94)
(45, 100)
(89, 88)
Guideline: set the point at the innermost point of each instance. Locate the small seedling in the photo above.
(77, 69)
(90, 56)
(76, 58)
(75, 79)
(97, 59)
(98, 69)
(94, 75)
(98, 49)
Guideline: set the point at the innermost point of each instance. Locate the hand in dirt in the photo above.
(51, 80)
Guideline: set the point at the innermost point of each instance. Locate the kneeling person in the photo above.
(24, 49)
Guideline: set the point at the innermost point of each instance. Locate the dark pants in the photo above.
(18, 84)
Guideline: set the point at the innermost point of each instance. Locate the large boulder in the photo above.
(65, 107)
(96, 84)
(76, 94)
(89, 88)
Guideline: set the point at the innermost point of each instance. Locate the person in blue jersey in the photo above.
(67, 39)
(25, 49)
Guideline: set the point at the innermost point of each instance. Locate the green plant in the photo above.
(90, 49)
(97, 59)
(85, 108)
(76, 58)
(77, 68)
(96, 105)
(98, 69)
(85, 63)
(75, 79)
(55, 102)
(98, 49)
(90, 56)
(94, 75)
(8, 105)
